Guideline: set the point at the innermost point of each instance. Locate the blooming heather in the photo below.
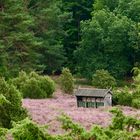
(47, 111)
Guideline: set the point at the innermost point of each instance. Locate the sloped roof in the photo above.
(92, 92)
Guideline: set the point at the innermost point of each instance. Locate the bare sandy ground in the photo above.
(47, 111)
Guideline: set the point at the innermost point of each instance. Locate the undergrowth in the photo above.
(122, 128)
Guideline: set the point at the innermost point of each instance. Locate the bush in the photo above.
(115, 98)
(27, 130)
(67, 81)
(10, 104)
(136, 90)
(102, 79)
(33, 85)
(136, 103)
(122, 97)
(3, 133)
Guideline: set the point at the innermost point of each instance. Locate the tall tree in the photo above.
(17, 42)
(106, 44)
(106, 4)
(80, 10)
(129, 8)
(49, 23)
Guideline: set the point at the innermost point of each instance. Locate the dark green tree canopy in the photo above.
(49, 24)
(83, 35)
(17, 42)
(129, 8)
(106, 44)
(106, 4)
(79, 10)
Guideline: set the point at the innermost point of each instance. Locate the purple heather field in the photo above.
(47, 111)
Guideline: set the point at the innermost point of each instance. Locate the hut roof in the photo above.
(92, 92)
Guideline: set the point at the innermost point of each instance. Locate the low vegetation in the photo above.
(122, 97)
(10, 105)
(126, 128)
(103, 79)
(33, 85)
(67, 81)
(127, 96)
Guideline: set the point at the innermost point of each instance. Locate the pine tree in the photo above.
(17, 41)
(80, 10)
(49, 21)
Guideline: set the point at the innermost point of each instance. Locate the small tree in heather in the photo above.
(103, 79)
(10, 105)
(136, 78)
(33, 85)
(67, 81)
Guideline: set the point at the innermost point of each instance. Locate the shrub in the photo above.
(137, 82)
(136, 103)
(102, 79)
(67, 81)
(115, 98)
(3, 133)
(136, 90)
(27, 130)
(122, 97)
(10, 104)
(33, 85)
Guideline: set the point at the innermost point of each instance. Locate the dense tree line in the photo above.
(110, 40)
(84, 35)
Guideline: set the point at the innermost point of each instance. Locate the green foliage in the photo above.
(106, 43)
(106, 4)
(10, 104)
(110, 40)
(79, 10)
(121, 122)
(136, 103)
(90, 34)
(118, 120)
(3, 133)
(49, 28)
(123, 97)
(67, 124)
(127, 98)
(122, 127)
(129, 8)
(27, 130)
(136, 90)
(67, 81)
(136, 78)
(33, 85)
(17, 42)
(103, 79)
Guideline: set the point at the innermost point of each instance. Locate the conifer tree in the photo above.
(49, 21)
(80, 10)
(17, 42)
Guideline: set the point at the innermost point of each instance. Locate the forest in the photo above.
(84, 36)
(49, 48)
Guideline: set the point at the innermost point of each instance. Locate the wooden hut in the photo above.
(89, 97)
